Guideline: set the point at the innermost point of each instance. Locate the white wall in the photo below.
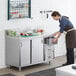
(72, 11)
(49, 25)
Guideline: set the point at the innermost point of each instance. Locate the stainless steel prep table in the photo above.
(21, 52)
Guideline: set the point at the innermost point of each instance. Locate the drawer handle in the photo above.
(42, 41)
(49, 56)
(21, 44)
(49, 49)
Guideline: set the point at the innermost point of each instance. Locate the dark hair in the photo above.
(55, 13)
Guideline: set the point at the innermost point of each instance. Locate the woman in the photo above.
(67, 26)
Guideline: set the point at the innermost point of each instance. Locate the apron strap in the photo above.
(68, 31)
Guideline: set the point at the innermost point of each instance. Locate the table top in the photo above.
(67, 69)
(32, 37)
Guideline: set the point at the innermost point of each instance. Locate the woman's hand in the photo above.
(55, 40)
(57, 34)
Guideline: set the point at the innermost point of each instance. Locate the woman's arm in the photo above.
(57, 34)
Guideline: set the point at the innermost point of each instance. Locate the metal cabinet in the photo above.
(25, 52)
(37, 50)
(49, 52)
(12, 51)
(22, 52)
(17, 52)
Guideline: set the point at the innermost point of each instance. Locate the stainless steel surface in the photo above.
(49, 52)
(37, 50)
(12, 51)
(22, 52)
(48, 40)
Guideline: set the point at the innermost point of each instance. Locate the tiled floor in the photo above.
(56, 62)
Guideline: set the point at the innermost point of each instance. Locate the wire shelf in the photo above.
(19, 9)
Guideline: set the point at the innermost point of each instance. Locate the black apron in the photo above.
(70, 38)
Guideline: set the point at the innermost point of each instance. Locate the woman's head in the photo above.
(56, 15)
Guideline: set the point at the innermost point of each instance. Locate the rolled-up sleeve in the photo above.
(61, 29)
(62, 26)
